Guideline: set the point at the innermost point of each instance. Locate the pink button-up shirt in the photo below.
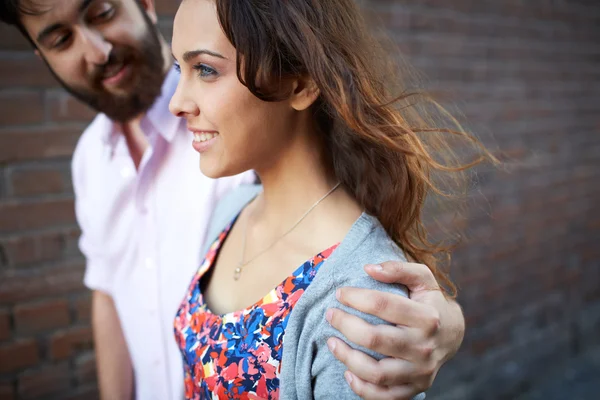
(142, 231)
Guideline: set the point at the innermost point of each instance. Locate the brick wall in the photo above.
(526, 76)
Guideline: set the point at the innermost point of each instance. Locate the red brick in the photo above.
(7, 391)
(21, 107)
(20, 250)
(42, 283)
(64, 344)
(51, 246)
(36, 214)
(70, 242)
(26, 250)
(32, 72)
(4, 325)
(65, 108)
(50, 314)
(18, 355)
(490, 341)
(44, 382)
(84, 393)
(83, 309)
(38, 181)
(21, 144)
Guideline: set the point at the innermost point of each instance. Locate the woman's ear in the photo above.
(305, 92)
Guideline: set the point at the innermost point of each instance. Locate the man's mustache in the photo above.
(116, 58)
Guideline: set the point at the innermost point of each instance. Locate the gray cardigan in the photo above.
(308, 369)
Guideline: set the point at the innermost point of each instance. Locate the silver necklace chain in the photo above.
(238, 271)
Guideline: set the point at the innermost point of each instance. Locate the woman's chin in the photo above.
(210, 170)
(214, 170)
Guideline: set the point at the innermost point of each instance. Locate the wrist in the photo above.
(455, 329)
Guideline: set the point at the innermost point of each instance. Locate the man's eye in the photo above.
(61, 41)
(103, 13)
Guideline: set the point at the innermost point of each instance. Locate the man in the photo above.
(143, 207)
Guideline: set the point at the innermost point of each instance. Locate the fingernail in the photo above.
(331, 345)
(329, 315)
(337, 293)
(348, 377)
(375, 267)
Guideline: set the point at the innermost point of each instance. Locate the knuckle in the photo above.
(433, 322)
(372, 340)
(380, 303)
(377, 377)
(426, 351)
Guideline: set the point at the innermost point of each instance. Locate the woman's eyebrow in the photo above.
(188, 55)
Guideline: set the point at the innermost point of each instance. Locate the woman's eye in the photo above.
(204, 71)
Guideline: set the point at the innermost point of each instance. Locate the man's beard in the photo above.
(147, 73)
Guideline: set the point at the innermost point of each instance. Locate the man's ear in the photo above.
(150, 8)
(305, 93)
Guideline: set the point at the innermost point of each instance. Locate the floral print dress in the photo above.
(237, 355)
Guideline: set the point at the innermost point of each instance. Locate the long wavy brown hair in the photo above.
(385, 141)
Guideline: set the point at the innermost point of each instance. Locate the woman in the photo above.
(298, 91)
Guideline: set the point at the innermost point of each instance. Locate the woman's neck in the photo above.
(294, 182)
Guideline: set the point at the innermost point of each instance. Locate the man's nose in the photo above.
(96, 48)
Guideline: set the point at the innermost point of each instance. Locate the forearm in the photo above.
(115, 371)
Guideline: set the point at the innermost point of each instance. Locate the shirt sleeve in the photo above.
(97, 275)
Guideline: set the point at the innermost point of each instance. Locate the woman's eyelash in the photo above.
(204, 70)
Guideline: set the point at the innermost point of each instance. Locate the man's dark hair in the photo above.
(11, 12)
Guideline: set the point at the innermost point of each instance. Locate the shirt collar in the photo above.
(159, 116)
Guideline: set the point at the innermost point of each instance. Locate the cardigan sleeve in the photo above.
(309, 369)
(328, 372)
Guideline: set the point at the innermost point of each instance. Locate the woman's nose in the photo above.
(181, 105)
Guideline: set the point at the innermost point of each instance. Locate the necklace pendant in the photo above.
(237, 273)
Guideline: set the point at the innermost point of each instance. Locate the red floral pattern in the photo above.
(237, 355)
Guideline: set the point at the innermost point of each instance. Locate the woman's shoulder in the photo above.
(366, 243)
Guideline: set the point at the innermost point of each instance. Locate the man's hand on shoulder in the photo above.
(427, 330)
